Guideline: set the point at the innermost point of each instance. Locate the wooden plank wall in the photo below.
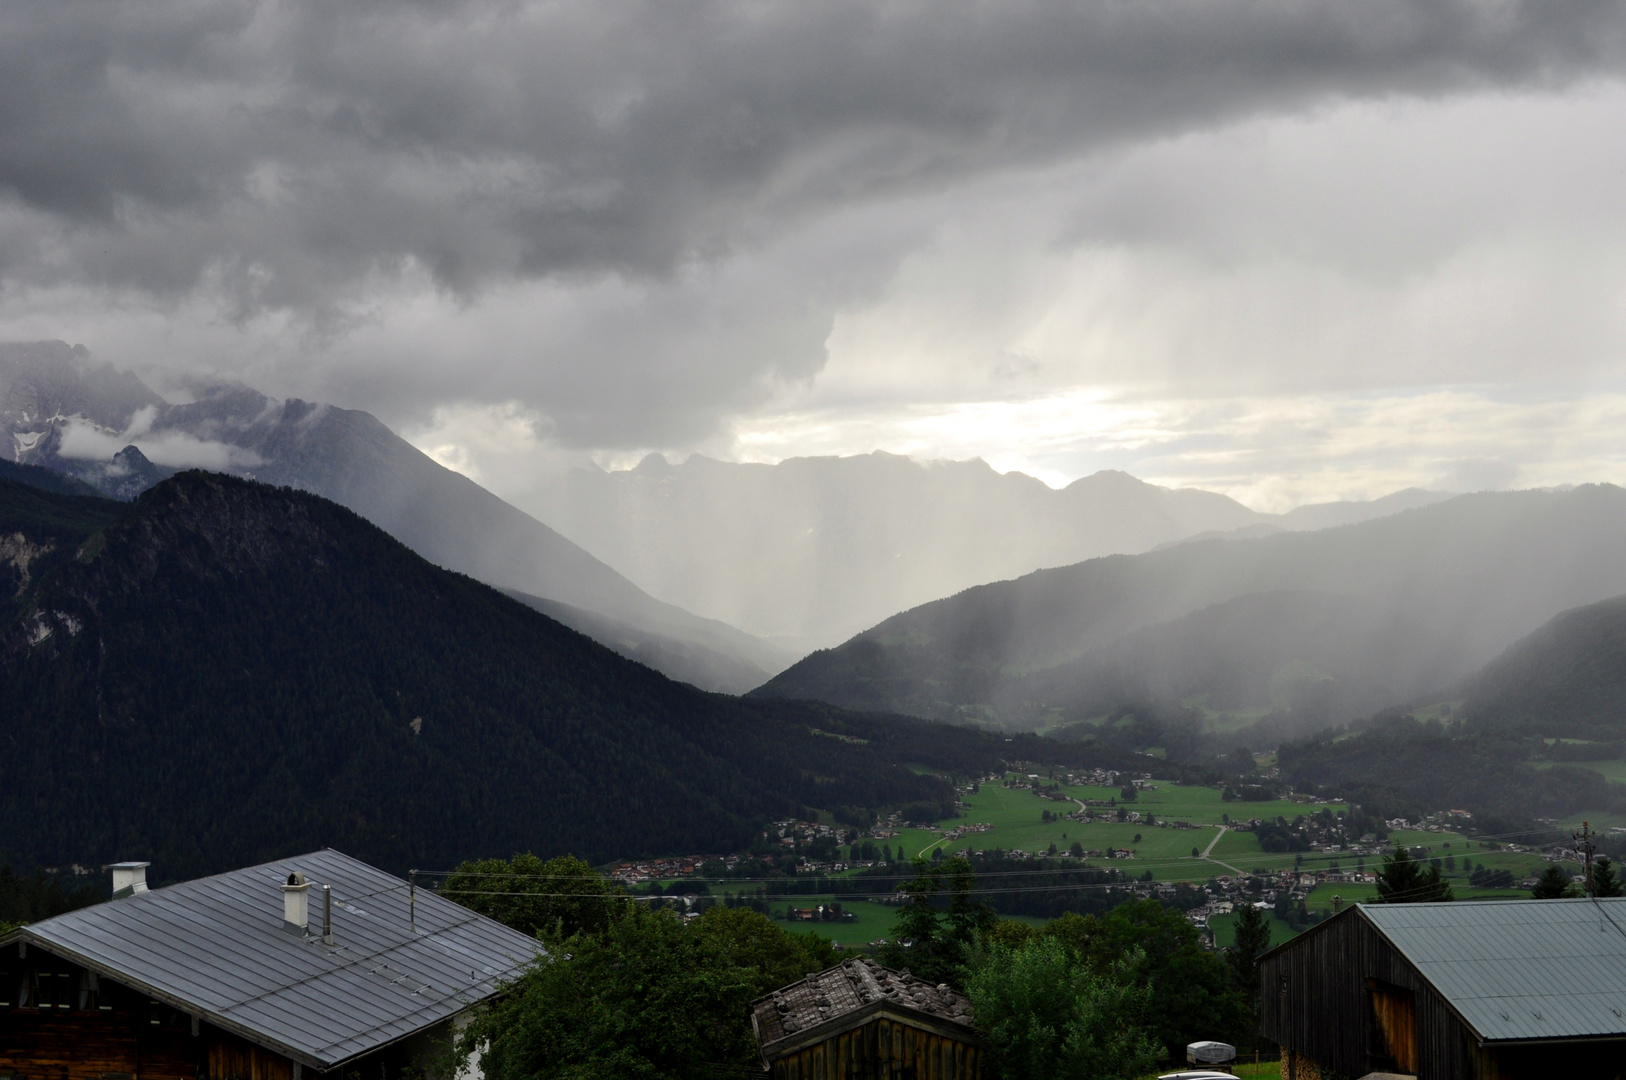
(231, 1058)
(1315, 1002)
(58, 1024)
(123, 1042)
(1395, 1014)
(883, 1049)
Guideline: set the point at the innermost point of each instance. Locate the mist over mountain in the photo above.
(223, 672)
(1565, 680)
(1333, 624)
(816, 549)
(61, 410)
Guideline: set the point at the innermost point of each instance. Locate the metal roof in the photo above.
(1518, 969)
(216, 948)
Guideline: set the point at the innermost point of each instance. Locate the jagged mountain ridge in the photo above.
(817, 549)
(1384, 609)
(62, 411)
(222, 672)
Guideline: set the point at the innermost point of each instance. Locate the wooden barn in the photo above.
(860, 1021)
(318, 963)
(1494, 990)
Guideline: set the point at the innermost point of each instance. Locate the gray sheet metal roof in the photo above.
(215, 947)
(1519, 969)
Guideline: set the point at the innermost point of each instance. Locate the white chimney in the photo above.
(295, 912)
(129, 878)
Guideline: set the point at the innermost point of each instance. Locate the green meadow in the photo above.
(1017, 817)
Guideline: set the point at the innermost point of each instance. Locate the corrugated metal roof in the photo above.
(216, 947)
(1519, 969)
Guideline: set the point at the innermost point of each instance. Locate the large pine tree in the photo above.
(1404, 880)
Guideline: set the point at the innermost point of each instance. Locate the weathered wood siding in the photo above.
(1341, 1000)
(231, 1058)
(882, 1049)
(1317, 1001)
(131, 1038)
(57, 1022)
(1394, 1012)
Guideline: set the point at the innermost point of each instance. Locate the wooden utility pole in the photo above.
(1584, 845)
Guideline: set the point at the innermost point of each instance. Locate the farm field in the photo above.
(1164, 851)
(874, 920)
(1016, 815)
(1224, 927)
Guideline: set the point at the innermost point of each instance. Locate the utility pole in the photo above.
(1584, 845)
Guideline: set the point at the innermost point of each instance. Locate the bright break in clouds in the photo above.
(1283, 250)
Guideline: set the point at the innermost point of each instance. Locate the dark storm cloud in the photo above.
(283, 152)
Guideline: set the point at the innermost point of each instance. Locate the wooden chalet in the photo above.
(1493, 990)
(318, 963)
(861, 1021)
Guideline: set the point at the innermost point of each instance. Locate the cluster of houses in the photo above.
(638, 873)
(960, 832)
(791, 833)
(1228, 893)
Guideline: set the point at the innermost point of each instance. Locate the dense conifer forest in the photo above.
(224, 672)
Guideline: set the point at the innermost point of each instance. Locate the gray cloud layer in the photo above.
(641, 219)
(284, 152)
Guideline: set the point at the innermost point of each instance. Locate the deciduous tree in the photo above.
(552, 900)
(1047, 1013)
(646, 996)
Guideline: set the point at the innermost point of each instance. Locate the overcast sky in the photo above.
(1286, 250)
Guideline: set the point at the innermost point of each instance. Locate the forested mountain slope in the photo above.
(1351, 618)
(1566, 680)
(1527, 743)
(817, 548)
(61, 410)
(222, 672)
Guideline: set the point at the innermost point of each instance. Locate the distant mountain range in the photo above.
(61, 410)
(813, 550)
(1331, 625)
(223, 672)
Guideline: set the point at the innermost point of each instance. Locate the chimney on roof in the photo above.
(129, 878)
(295, 910)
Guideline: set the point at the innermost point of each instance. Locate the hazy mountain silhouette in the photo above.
(61, 410)
(816, 549)
(1342, 621)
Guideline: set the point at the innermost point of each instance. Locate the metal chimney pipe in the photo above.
(327, 914)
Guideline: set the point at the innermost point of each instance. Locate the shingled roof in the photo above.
(850, 994)
(216, 948)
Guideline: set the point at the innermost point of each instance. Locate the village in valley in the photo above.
(1206, 850)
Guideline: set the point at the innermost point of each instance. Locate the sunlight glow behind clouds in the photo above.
(1353, 271)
